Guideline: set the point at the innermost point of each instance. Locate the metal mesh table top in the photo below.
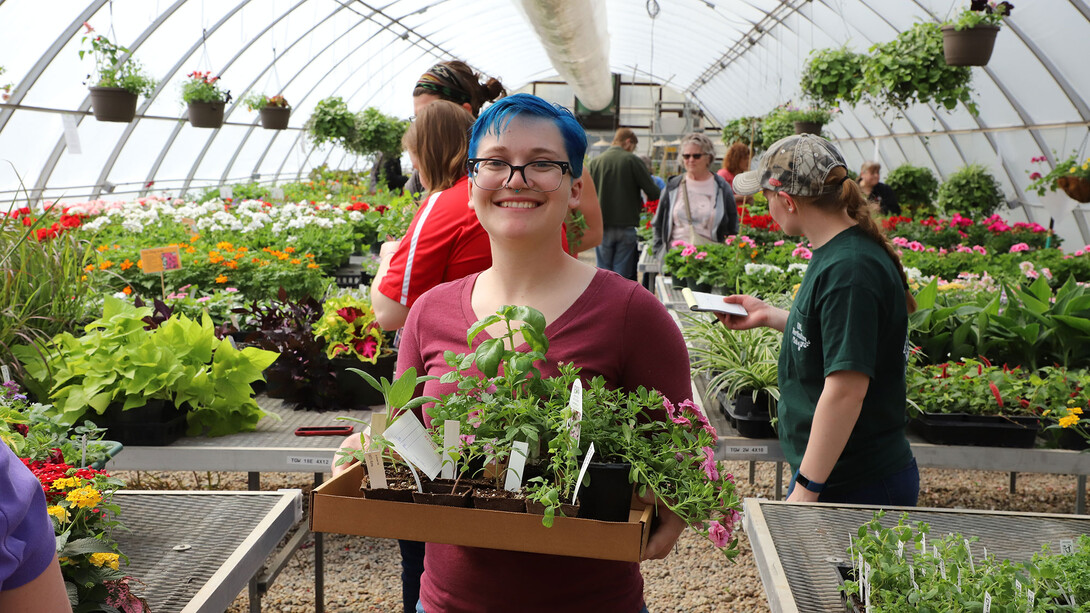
(272, 447)
(808, 539)
(179, 543)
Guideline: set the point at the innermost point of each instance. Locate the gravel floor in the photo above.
(363, 574)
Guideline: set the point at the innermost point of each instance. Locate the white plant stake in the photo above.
(583, 471)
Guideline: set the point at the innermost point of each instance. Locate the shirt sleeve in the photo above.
(27, 540)
(647, 184)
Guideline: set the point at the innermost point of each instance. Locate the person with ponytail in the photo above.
(845, 344)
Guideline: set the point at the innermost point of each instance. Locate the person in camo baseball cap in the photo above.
(797, 165)
(842, 363)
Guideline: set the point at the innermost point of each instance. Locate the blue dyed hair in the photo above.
(496, 118)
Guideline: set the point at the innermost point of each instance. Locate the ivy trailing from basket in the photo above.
(831, 76)
(912, 69)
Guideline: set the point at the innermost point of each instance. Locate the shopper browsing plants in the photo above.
(842, 363)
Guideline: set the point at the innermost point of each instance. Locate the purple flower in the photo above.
(474, 418)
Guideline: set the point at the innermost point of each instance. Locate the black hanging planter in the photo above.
(114, 104)
(808, 127)
(275, 117)
(608, 495)
(206, 114)
(968, 47)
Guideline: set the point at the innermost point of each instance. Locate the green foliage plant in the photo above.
(119, 361)
(203, 87)
(981, 12)
(114, 66)
(971, 190)
(365, 133)
(912, 69)
(831, 76)
(915, 186)
(777, 124)
(256, 101)
(734, 362)
(810, 114)
(746, 130)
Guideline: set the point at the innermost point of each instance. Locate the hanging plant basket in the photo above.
(808, 127)
(275, 117)
(206, 114)
(114, 104)
(1077, 188)
(968, 47)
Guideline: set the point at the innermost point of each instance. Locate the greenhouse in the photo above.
(677, 305)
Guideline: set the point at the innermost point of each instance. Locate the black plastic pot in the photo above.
(354, 391)
(751, 419)
(608, 494)
(113, 104)
(981, 430)
(155, 424)
(275, 117)
(807, 127)
(698, 287)
(968, 47)
(206, 114)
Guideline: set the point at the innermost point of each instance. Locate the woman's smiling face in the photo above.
(516, 210)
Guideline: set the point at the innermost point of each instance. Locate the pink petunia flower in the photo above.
(979, 249)
(802, 252)
(1015, 248)
(719, 534)
(710, 467)
(687, 251)
(701, 255)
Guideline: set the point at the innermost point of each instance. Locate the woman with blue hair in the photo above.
(525, 166)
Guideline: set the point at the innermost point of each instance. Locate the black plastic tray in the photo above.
(747, 425)
(976, 430)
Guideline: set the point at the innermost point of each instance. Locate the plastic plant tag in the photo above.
(866, 585)
(923, 542)
(583, 470)
(901, 549)
(412, 441)
(378, 424)
(1017, 587)
(575, 403)
(969, 553)
(942, 567)
(1067, 546)
(515, 466)
(376, 473)
(987, 602)
(226, 192)
(5, 373)
(450, 446)
(912, 576)
(1031, 596)
(959, 578)
(276, 193)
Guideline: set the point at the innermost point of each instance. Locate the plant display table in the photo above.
(796, 545)
(200, 565)
(273, 447)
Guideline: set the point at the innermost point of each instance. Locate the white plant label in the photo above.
(5, 373)
(376, 472)
(583, 470)
(575, 403)
(1067, 546)
(378, 424)
(901, 549)
(912, 576)
(515, 466)
(923, 542)
(412, 441)
(276, 193)
(987, 602)
(866, 585)
(71, 134)
(1018, 587)
(942, 567)
(969, 551)
(959, 578)
(450, 446)
(1031, 596)
(226, 192)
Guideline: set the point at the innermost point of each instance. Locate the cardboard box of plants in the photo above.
(339, 506)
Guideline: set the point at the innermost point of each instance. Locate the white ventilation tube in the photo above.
(574, 35)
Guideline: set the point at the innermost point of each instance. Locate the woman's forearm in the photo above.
(837, 412)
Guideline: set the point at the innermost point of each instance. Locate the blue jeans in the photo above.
(618, 251)
(901, 489)
(412, 567)
(420, 608)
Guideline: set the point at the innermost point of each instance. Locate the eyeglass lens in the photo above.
(541, 176)
(695, 156)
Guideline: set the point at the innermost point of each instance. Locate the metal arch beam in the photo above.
(1053, 71)
(1082, 8)
(46, 58)
(108, 166)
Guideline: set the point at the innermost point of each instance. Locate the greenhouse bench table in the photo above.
(272, 447)
(796, 546)
(200, 565)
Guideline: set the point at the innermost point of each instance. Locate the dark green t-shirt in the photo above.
(849, 314)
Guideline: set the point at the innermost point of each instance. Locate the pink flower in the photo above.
(1015, 248)
(709, 465)
(669, 406)
(467, 439)
(1047, 273)
(1079, 252)
(680, 420)
(230, 290)
(802, 252)
(777, 243)
(900, 241)
(964, 249)
(701, 255)
(204, 299)
(916, 246)
(687, 251)
(980, 250)
(677, 244)
(474, 418)
(1033, 176)
(719, 534)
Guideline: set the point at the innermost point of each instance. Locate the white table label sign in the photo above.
(583, 471)
(1067, 546)
(413, 442)
(515, 466)
(450, 446)
(575, 403)
(376, 472)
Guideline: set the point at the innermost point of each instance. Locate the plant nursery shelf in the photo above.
(796, 546)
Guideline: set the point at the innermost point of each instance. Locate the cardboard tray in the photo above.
(337, 506)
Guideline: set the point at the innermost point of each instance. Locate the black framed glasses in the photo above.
(539, 176)
(695, 156)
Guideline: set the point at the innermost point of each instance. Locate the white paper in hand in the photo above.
(711, 303)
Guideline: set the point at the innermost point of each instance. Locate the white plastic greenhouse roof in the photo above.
(731, 57)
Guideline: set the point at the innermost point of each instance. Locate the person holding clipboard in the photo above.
(845, 345)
